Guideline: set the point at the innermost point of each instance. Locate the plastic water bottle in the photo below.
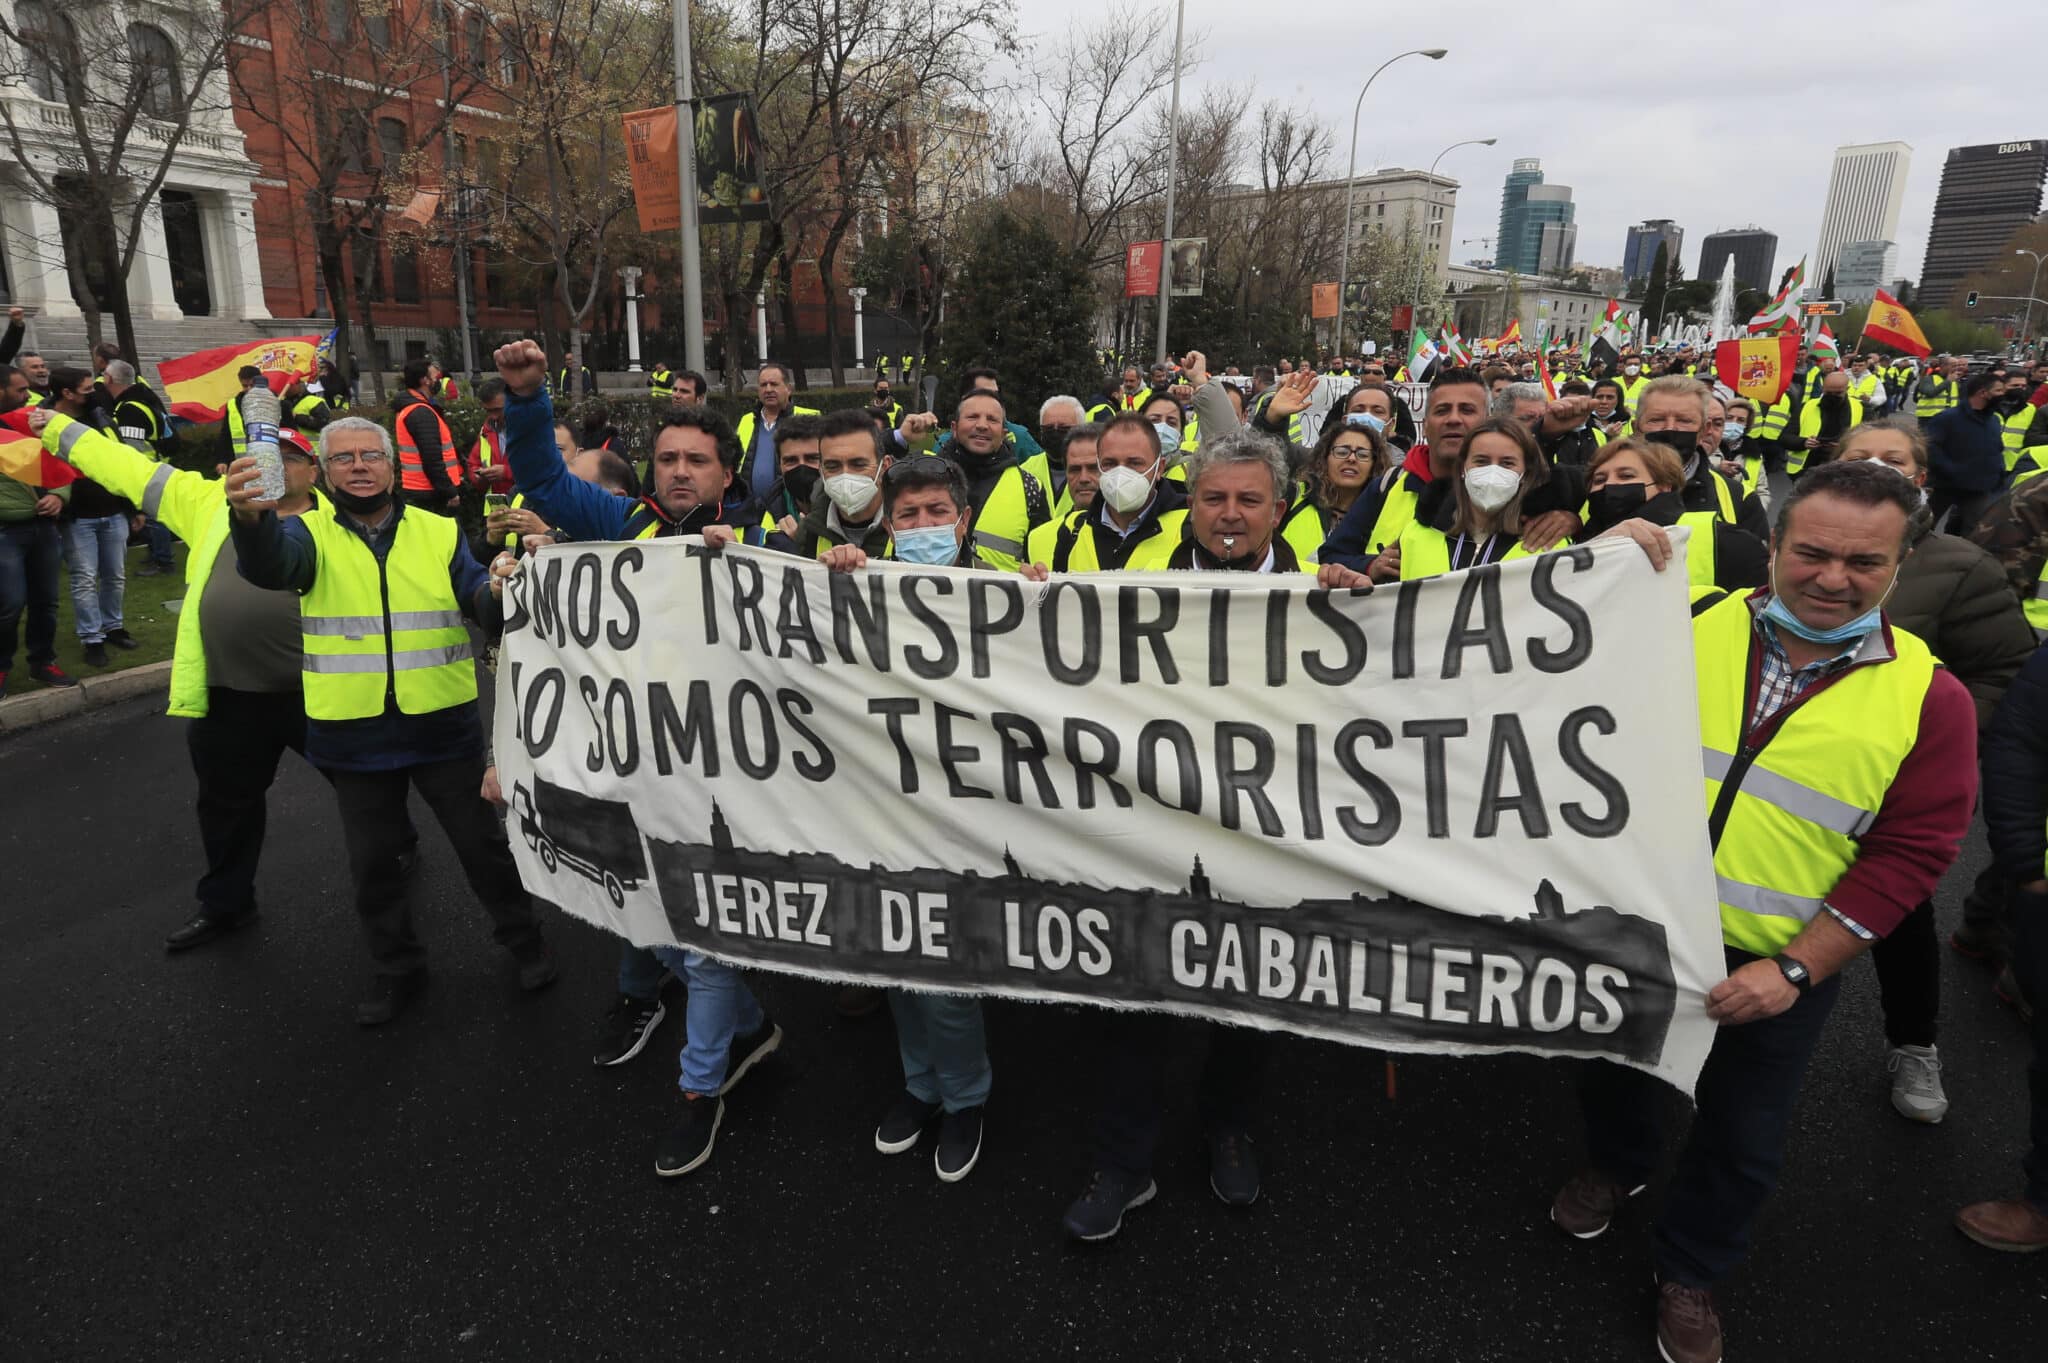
(260, 413)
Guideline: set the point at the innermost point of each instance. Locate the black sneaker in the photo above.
(903, 1123)
(959, 1144)
(627, 1029)
(1098, 1213)
(389, 994)
(49, 674)
(151, 569)
(1233, 1168)
(121, 638)
(748, 1051)
(687, 1145)
(96, 654)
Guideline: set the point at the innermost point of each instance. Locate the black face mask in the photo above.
(1615, 503)
(800, 482)
(361, 506)
(1686, 443)
(1054, 442)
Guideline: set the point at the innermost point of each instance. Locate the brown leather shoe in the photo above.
(1688, 1329)
(2013, 1227)
(1586, 1205)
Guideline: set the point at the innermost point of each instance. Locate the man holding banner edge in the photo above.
(1841, 778)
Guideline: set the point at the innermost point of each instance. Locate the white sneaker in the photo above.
(1916, 1083)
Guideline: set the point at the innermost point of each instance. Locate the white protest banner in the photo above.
(1461, 814)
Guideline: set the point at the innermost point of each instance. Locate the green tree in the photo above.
(1021, 303)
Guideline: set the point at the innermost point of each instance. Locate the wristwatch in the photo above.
(1796, 975)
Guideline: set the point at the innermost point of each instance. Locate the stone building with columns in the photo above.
(196, 257)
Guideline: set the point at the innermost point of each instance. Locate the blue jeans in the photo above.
(160, 542)
(640, 972)
(1744, 1101)
(96, 551)
(719, 1007)
(29, 563)
(945, 1059)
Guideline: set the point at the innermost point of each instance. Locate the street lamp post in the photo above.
(859, 340)
(631, 276)
(1415, 303)
(1172, 168)
(1351, 174)
(2028, 324)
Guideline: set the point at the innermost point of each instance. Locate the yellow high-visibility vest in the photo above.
(368, 626)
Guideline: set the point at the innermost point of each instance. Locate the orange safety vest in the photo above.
(413, 472)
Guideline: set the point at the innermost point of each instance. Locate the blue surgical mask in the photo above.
(1370, 421)
(1169, 435)
(1780, 615)
(928, 546)
(1732, 431)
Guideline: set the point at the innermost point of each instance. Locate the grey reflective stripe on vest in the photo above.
(1768, 903)
(2041, 589)
(153, 495)
(996, 543)
(405, 660)
(1800, 801)
(364, 626)
(71, 435)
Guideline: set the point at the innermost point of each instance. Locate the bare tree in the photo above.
(118, 98)
(338, 92)
(878, 65)
(567, 72)
(1098, 88)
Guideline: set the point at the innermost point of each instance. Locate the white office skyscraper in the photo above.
(1862, 205)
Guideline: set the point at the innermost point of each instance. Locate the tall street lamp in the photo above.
(2027, 325)
(1415, 303)
(1351, 174)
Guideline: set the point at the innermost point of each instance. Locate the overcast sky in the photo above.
(1723, 116)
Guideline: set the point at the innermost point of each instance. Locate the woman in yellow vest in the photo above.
(1478, 519)
(1638, 479)
(1349, 456)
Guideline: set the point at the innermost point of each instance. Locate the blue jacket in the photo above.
(2015, 761)
(1965, 450)
(584, 510)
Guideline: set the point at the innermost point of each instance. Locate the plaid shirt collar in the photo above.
(1779, 683)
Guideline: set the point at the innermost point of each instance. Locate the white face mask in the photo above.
(850, 492)
(1125, 490)
(1491, 486)
(1631, 369)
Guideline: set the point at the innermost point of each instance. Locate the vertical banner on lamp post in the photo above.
(728, 160)
(1190, 259)
(1322, 301)
(1141, 268)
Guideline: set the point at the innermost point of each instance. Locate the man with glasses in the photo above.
(390, 691)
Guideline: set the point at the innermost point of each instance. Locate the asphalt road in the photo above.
(204, 1158)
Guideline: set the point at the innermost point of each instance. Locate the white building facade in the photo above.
(1864, 193)
(197, 253)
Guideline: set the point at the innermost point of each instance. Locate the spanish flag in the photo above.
(1758, 367)
(1890, 323)
(199, 386)
(1543, 373)
(1513, 335)
(23, 458)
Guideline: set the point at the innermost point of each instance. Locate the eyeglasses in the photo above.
(346, 459)
(1357, 454)
(918, 466)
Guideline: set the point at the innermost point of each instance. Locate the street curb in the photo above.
(91, 693)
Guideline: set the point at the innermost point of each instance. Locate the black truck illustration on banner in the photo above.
(597, 839)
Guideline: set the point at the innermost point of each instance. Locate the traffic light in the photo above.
(1971, 300)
